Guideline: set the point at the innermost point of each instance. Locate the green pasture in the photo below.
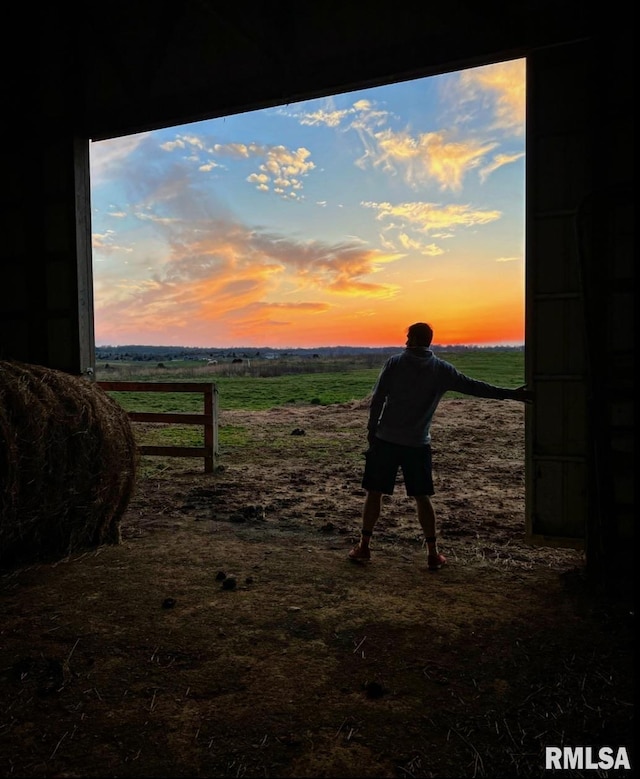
(254, 391)
(324, 385)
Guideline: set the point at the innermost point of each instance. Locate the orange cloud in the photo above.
(505, 84)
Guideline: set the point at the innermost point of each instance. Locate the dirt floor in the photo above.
(228, 635)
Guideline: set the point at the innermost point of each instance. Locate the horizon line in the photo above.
(305, 348)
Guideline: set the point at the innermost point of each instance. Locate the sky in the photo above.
(336, 221)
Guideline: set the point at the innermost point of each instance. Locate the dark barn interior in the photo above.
(78, 74)
(102, 73)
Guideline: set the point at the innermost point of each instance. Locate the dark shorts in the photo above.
(383, 460)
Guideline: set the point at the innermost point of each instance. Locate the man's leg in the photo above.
(427, 519)
(370, 515)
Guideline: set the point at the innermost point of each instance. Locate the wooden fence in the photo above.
(208, 419)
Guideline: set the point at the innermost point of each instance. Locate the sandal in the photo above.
(359, 555)
(436, 561)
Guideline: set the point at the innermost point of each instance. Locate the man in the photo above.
(404, 400)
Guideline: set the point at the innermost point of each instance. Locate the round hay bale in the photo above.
(68, 464)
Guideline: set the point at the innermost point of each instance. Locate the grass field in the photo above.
(261, 384)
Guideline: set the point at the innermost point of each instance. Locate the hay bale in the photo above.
(68, 464)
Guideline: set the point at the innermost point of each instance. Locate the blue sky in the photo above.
(334, 221)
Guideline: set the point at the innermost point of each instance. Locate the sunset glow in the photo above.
(336, 221)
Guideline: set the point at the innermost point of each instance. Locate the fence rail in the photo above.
(208, 420)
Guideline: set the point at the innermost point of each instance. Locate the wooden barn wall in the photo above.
(46, 303)
(580, 335)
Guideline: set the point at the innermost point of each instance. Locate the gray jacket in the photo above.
(408, 390)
